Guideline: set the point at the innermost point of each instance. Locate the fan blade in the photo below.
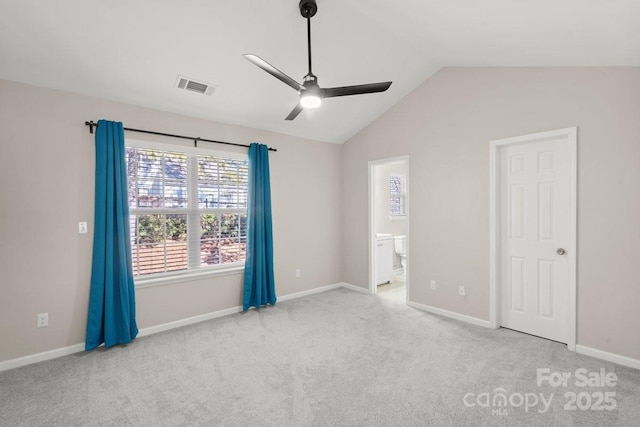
(273, 71)
(294, 113)
(356, 90)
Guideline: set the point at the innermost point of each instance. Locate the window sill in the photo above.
(188, 276)
(397, 217)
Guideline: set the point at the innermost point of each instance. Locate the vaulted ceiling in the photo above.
(133, 51)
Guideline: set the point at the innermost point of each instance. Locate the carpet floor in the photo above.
(338, 358)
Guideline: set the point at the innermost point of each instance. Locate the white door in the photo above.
(535, 217)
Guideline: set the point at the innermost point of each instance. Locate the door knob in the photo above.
(560, 251)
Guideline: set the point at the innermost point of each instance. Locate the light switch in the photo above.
(82, 227)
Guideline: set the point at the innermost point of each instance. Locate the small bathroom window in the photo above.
(397, 192)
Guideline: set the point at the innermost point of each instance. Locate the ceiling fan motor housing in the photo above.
(310, 80)
(308, 8)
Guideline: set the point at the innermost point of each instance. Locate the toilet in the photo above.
(400, 246)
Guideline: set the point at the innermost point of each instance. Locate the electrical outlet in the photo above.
(298, 274)
(82, 227)
(433, 285)
(462, 291)
(43, 320)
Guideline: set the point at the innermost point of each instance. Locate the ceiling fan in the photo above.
(310, 93)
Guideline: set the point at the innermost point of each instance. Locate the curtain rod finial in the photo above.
(91, 125)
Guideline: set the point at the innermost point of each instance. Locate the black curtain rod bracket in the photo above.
(92, 125)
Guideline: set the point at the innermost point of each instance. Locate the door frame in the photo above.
(372, 224)
(570, 135)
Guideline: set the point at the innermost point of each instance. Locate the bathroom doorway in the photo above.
(389, 228)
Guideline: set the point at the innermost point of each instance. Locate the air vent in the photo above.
(201, 87)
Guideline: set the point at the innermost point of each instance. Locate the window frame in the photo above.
(191, 273)
(402, 197)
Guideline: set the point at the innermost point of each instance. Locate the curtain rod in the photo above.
(92, 124)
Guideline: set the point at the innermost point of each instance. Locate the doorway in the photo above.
(533, 234)
(389, 264)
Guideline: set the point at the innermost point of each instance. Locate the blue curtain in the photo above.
(259, 284)
(112, 308)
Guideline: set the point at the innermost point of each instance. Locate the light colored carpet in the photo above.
(338, 358)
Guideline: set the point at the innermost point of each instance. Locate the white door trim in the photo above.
(372, 223)
(570, 134)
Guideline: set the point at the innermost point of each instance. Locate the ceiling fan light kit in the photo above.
(310, 100)
(309, 92)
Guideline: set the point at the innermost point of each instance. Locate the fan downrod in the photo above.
(308, 8)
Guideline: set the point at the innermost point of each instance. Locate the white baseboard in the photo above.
(609, 357)
(225, 312)
(310, 292)
(451, 314)
(587, 351)
(188, 321)
(355, 288)
(76, 348)
(40, 357)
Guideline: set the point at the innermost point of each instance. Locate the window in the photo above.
(188, 210)
(397, 193)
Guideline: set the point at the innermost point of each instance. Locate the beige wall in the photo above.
(46, 187)
(445, 127)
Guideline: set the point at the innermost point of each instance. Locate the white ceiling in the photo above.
(132, 51)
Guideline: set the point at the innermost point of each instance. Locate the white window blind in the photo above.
(187, 211)
(397, 194)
